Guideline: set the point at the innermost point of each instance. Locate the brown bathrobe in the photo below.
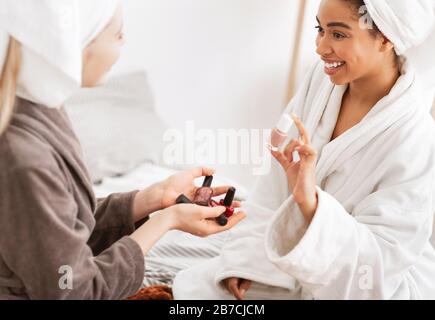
(50, 220)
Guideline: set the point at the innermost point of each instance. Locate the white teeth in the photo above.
(333, 65)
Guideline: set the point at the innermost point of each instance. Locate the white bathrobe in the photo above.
(370, 237)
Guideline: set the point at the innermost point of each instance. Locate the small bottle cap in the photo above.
(208, 181)
(222, 220)
(229, 198)
(285, 123)
(183, 199)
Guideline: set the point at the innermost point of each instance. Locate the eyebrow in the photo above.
(336, 24)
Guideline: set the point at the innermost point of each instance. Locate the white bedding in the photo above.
(117, 125)
(176, 250)
(147, 174)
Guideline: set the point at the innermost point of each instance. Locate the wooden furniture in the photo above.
(296, 50)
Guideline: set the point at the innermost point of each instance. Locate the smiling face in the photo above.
(103, 52)
(350, 52)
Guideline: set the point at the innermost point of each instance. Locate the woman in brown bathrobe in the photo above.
(56, 240)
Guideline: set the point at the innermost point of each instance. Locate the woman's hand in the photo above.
(200, 221)
(301, 176)
(238, 287)
(164, 194)
(196, 220)
(184, 183)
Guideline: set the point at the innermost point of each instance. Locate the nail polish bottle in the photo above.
(280, 132)
(203, 195)
(222, 220)
(183, 199)
(227, 203)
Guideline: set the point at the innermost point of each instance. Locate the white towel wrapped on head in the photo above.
(53, 34)
(410, 26)
(405, 23)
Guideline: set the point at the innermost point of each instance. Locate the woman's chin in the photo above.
(339, 81)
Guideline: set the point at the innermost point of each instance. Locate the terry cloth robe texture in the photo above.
(50, 221)
(370, 237)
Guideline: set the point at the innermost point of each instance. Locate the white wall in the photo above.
(308, 47)
(221, 63)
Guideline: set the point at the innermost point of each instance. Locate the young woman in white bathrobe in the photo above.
(353, 218)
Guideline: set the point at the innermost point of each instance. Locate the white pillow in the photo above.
(117, 126)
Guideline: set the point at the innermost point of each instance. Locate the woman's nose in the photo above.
(323, 48)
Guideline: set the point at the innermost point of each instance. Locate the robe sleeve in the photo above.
(268, 194)
(364, 254)
(114, 220)
(47, 246)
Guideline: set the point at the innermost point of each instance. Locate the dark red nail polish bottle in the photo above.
(227, 203)
(183, 199)
(203, 195)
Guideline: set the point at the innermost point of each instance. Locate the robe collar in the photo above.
(53, 127)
